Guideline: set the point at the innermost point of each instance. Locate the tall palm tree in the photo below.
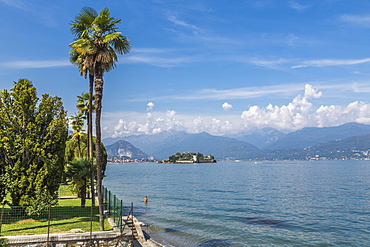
(98, 45)
(78, 59)
(80, 27)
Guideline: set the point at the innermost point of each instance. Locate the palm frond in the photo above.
(83, 21)
(83, 46)
(97, 43)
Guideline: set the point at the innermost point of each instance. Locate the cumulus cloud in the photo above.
(150, 106)
(150, 124)
(300, 112)
(226, 106)
(213, 126)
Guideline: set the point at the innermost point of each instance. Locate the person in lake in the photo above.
(145, 200)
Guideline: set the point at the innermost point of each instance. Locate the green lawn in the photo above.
(66, 190)
(64, 217)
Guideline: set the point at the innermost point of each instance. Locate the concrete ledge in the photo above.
(61, 237)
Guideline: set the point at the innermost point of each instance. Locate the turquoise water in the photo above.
(294, 203)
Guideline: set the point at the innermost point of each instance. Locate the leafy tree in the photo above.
(97, 45)
(33, 134)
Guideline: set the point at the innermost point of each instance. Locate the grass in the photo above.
(66, 190)
(64, 217)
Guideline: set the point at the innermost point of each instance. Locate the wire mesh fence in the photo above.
(113, 207)
(59, 220)
(15, 220)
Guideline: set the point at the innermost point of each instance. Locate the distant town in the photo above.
(187, 157)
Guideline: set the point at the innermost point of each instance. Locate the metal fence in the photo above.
(15, 220)
(113, 208)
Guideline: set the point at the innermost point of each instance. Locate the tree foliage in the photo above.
(33, 133)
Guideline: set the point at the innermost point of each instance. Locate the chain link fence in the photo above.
(60, 224)
(15, 220)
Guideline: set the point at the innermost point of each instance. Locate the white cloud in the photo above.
(300, 113)
(150, 106)
(271, 64)
(310, 92)
(297, 6)
(226, 106)
(164, 62)
(17, 4)
(297, 114)
(178, 22)
(235, 93)
(36, 64)
(39, 11)
(330, 62)
(358, 20)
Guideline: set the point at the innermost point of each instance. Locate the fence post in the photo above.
(109, 201)
(121, 217)
(48, 244)
(114, 208)
(1, 218)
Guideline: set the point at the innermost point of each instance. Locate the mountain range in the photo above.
(260, 144)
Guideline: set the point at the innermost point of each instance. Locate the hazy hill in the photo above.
(356, 147)
(219, 147)
(261, 137)
(165, 144)
(149, 143)
(307, 137)
(352, 147)
(124, 149)
(294, 145)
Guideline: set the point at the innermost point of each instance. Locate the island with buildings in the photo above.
(189, 157)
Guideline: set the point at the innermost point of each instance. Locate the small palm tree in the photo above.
(97, 45)
(86, 107)
(77, 126)
(78, 172)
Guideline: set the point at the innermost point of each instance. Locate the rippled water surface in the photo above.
(325, 203)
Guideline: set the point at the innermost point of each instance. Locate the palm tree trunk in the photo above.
(79, 146)
(90, 137)
(83, 193)
(98, 104)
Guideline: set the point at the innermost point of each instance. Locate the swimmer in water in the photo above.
(146, 200)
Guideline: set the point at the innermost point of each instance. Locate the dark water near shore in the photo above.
(294, 203)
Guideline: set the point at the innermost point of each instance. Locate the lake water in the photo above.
(293, 203)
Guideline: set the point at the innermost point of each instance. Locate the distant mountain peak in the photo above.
(124, 149)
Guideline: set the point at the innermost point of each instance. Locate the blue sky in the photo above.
(204, 65)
